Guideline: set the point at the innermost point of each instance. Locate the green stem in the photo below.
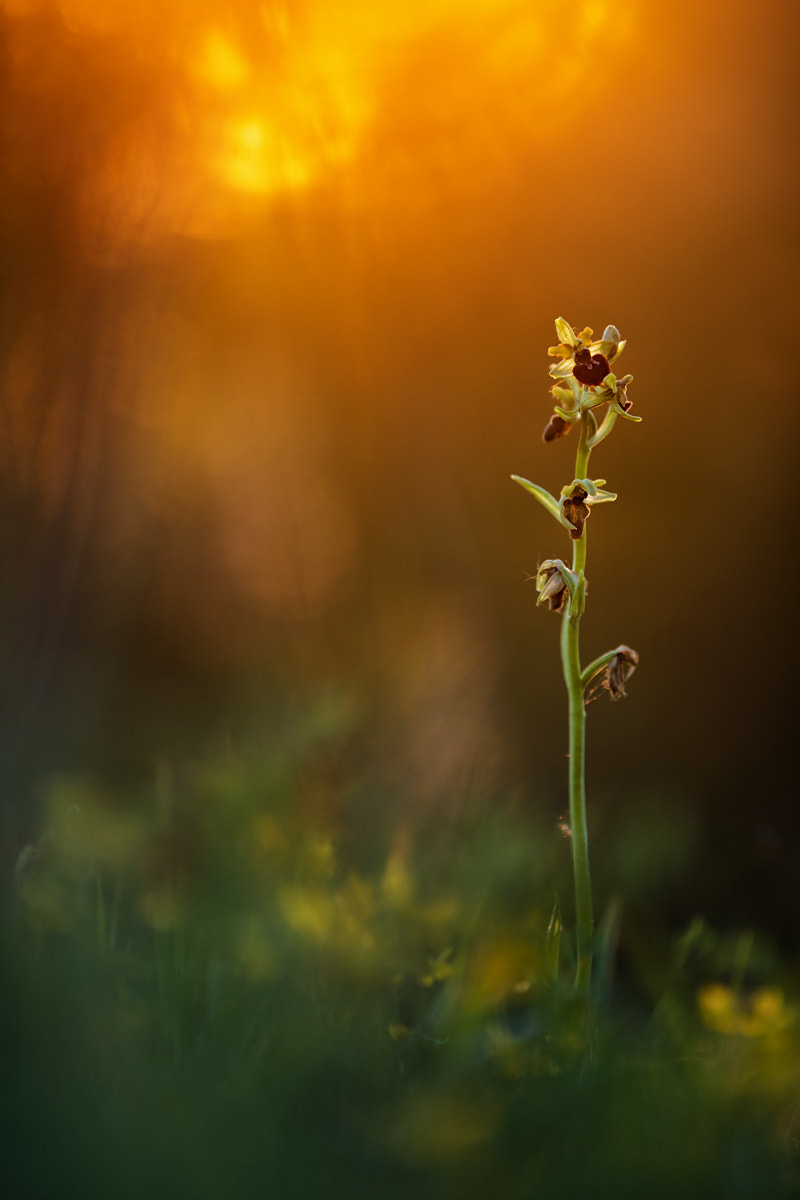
(573, 677)
(588, 429)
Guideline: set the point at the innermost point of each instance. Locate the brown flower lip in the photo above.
(576, 511)
(590, 369)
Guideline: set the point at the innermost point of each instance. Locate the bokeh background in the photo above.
(277, 285)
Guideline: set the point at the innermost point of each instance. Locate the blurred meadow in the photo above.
(283, 734)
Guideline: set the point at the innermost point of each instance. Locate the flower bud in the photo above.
(551, 586)
(611, 334)
(556, 428)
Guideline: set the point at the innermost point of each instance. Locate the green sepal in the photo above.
(593, 488)
(591, 399)
(568, 394)
(594, 668)
(566, 334)
(545, 499)
(609, 421)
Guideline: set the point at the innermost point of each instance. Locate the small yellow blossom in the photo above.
(763, 1013)
(439, 968)
(574, 345)
(309, 912)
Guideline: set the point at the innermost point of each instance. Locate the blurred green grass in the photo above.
(206, 993)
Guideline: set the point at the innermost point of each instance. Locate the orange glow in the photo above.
(280, 277)
(382, 115)
(220, 64)
(288, 97)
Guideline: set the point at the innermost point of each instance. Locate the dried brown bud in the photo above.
(576, 511)
(552, 588)
(619, 671)
(590, 369)
(555, 428)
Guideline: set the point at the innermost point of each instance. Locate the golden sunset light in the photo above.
(328, 868)
(283, 97)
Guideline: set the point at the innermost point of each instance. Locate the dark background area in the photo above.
(256, 441)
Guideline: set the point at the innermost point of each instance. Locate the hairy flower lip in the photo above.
(576, 511)
(590, 369)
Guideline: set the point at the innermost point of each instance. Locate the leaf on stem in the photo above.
(545, 499)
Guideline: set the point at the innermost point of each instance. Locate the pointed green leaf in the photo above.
(549, 502)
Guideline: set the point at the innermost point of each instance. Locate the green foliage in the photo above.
(212, 999)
